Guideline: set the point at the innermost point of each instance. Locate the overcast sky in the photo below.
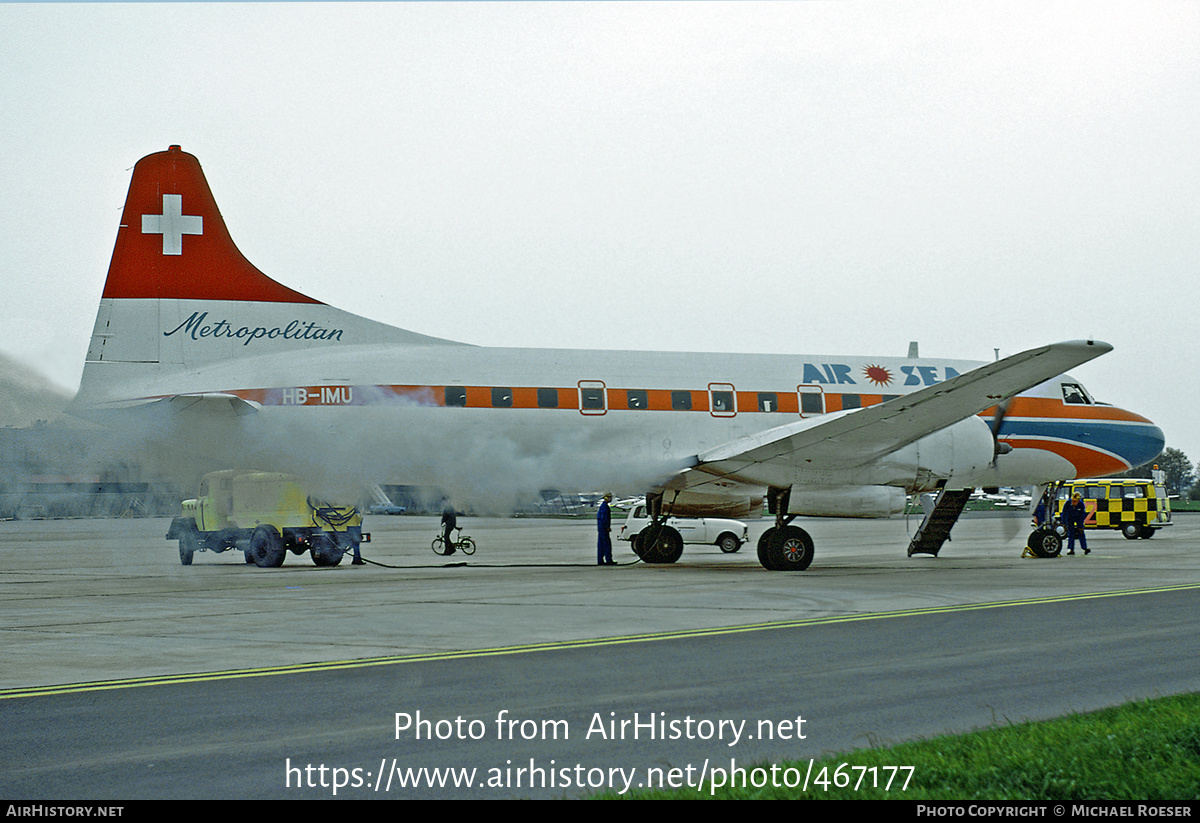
(807, 177)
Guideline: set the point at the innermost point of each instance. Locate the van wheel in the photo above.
(1132, 531)
(728, 543)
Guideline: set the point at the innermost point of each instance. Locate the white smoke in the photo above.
(492, 461)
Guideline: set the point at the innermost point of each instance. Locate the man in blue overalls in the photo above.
(604, 533)
(1073, 515)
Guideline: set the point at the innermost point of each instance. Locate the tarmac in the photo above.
(94, 600)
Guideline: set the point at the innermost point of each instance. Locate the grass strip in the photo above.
(1146, 750)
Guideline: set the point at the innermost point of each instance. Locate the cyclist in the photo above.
(449, 522)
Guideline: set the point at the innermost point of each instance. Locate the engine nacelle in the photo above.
(692, 504)
(956, 454)
(847, 501)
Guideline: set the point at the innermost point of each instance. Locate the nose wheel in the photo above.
(1045, 542)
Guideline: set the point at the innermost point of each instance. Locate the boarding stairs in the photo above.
(935, 528)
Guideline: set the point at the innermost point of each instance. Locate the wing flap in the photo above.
(212, 403)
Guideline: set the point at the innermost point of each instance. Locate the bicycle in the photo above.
(463, 544)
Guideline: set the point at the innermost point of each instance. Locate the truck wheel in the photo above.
(189, 543)
(324, 551)
(266, 547)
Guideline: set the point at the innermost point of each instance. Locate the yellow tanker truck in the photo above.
(265, 515)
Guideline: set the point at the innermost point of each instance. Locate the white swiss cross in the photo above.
(172, 224)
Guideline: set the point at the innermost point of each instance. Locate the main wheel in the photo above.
(790, 549)
(324, 551)
(266, 547)
(660, 544)
(764, 549)
(1132, 531)
(1045, 542)
(729, 543)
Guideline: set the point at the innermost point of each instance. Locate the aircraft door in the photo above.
(593, 398)
(812, 400)
(722, 400)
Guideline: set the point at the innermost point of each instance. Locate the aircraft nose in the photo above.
(1141, 441)
(1152, 447)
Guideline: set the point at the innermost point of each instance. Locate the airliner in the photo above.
(203, 350)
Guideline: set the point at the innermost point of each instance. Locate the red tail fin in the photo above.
(173, 243)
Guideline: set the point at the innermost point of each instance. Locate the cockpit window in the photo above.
(1074, 393)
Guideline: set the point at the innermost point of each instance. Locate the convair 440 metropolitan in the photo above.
(197, 340)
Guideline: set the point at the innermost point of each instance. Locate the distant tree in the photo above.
(1175, 465)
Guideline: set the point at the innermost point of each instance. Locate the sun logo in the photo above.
(878, 375)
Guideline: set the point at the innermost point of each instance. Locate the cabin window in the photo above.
(681, 400)
(722, 401)
(637, 399)
(768, 401)
(547, 398)
(885, 398)
(851, 401)
(591, 398)
(456, 395)
(501, 397)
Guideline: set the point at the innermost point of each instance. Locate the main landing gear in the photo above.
(783, 547)
(657, 542)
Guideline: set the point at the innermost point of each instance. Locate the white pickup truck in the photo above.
(728, 535)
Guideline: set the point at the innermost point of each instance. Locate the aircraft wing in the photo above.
(851, 438)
